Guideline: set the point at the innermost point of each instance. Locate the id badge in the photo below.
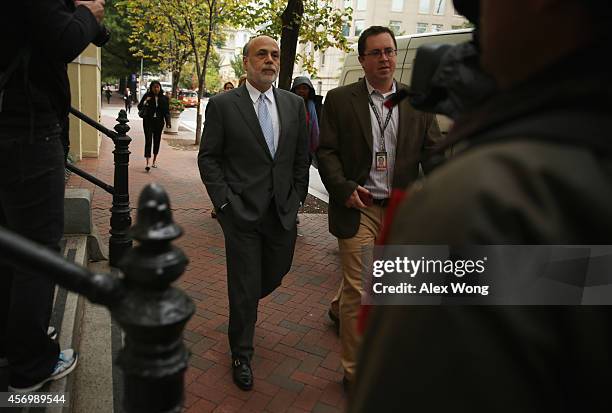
(381, 161)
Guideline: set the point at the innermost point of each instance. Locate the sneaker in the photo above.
(147, 168)
(66, 362)
(52, 333)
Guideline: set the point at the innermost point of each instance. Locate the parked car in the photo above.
(189, 98)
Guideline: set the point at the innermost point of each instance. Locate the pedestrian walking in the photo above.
(108, 94)
(534, 168)
(365, 151)
(228, 86)
(38, 39)
(155, 110)
(127, 100)
(253, 161)
(302, 86)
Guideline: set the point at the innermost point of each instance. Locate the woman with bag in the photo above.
(154, 111)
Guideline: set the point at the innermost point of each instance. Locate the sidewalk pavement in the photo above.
(297, 353)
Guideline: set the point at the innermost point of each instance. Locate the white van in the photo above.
(406, 51)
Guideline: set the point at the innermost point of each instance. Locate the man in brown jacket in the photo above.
(365, 151)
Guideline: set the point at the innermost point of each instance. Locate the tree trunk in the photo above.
(176, 75)
(291, 18)
(202, 75)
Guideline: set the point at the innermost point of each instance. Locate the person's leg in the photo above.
(148, 132)
(33, 207)
(243, 257)
(277, 251)
(159, 127)
(351, 256)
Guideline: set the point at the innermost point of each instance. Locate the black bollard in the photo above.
(120, 242)
(153, 314)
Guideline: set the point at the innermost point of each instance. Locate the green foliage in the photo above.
(117, 60)
(176, 105)
(236, 64)
(321, 25)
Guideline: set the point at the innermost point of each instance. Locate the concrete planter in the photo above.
(174, 120)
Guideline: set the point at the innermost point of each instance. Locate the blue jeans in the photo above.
(32, 205)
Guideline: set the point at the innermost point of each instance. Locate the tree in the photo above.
(190, 24)
(237, 66)
(117, 60)
(156, 34)
(317, 22)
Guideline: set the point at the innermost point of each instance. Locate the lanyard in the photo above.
(381, 126)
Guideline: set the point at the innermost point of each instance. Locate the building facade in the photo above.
(235, 39)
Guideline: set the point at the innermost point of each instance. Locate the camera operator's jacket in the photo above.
(346, 144)
(538, 186)
(54, 33)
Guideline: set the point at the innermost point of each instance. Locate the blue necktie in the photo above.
(265, 121)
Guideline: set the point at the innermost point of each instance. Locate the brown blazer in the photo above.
(345, 149)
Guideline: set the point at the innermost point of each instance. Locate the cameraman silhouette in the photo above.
(34, 105)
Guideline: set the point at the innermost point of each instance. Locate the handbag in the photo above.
(142, 112)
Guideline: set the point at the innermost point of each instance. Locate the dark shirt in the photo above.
(57, 33)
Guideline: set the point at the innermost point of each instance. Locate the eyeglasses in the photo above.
(378, 52)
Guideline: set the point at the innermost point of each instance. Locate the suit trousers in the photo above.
(32, 205)
(257, 261)
(347, 301)
(153, 128)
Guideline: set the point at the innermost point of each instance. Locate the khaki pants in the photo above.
(347, 301)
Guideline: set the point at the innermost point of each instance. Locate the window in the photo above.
(346, 30)
(437, 27)
(397, 5)
(439, 6)
(424, 6)
(359, 27)
(362, 4)
(322, 58)
(421, 27)
(348, 3)
(395, 26)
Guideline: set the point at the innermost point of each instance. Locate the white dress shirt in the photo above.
(379, 182)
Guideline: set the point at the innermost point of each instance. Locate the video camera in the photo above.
(447, 79)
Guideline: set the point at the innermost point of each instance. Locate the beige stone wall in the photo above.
(84, 75)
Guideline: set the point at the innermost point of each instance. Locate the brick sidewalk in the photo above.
(297, 354)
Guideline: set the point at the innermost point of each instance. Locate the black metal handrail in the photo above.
(111, 134)
(119, 242)
(108, 188)
(151, 312)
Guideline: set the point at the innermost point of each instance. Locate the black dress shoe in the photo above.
(242, 374)
(334, 318)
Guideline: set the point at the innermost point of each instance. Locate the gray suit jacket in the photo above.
(237, 167)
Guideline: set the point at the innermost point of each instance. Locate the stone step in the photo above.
(67, 315)
(94, 378)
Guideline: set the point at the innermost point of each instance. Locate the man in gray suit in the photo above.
(253, 161)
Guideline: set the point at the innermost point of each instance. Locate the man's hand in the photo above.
(96, 7)
(354, 201)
